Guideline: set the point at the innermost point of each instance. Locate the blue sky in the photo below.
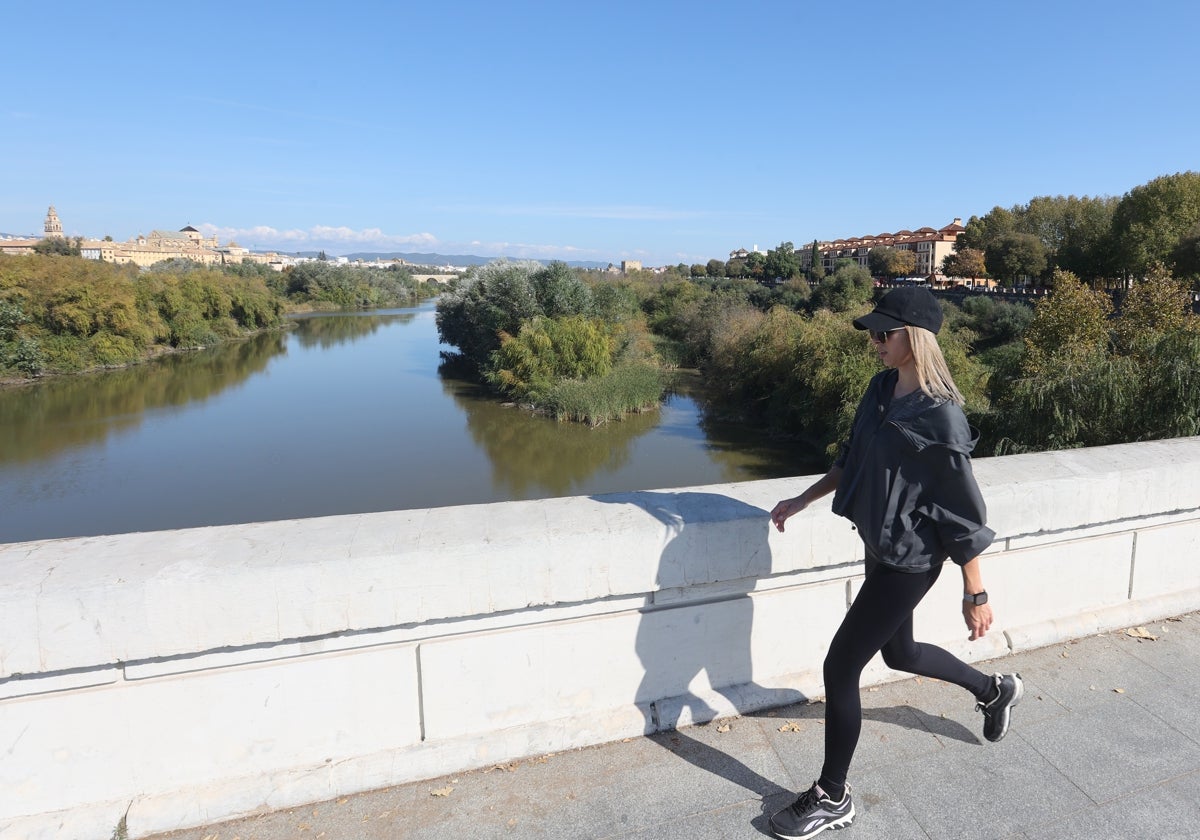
(659, 131)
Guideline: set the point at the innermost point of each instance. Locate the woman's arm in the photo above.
(978, 618)
(789, 507)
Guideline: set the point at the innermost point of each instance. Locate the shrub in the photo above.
(627, 388)
(546, 350)
(109, 349)
(1068, 326)
(27, 357)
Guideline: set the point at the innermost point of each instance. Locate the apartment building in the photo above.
(929, 245)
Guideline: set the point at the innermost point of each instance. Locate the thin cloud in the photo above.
(324, 236)
(634, 213)
(530, 250)
(343, 239)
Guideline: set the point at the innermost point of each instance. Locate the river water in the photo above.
(346, 413)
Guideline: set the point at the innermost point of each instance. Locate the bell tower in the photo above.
(53, 226)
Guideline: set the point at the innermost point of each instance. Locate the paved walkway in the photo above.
(1106, 743)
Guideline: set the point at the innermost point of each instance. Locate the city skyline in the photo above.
(657, 132)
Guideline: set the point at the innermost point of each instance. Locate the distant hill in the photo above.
(440, 259)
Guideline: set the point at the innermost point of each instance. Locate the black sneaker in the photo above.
(998, 711)
(812, 813)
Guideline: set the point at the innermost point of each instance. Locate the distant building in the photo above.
(186, 244)
(53, 226)
(18, 245)
(930, 247)
(742, 253)
(630, 265)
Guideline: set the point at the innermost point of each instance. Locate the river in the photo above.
(346, 413)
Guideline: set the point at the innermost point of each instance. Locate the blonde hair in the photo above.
(932, 372)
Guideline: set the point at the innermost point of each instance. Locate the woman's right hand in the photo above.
(786, 508)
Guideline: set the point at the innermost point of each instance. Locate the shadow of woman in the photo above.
(694, 638)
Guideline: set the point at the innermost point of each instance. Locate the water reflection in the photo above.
(346, 413)
(753, 456)
(328, 329)
(532, 455)
(45, 418)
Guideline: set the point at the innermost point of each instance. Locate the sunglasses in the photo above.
(882, 335)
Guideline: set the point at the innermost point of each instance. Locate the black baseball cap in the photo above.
(908, 306)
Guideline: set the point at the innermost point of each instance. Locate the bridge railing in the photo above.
(187, 676)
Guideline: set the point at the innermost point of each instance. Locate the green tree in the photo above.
(850, 286)
(66, 314)
(782, 262)
(965, 262)
(885, 261)
(489, 300)
(982, 232)
(614, 302)
(1068, 326)
(1156, 305)
(994, 321)
(1076, 232)
(816, 264)
(559, 291)
(1015, 256)
(715, 268)
(498, 298)
(58, 246)
(1079, 388)
(1152, 220)
(671, 306)
(27, 357)
(1186, 256)
(698, 270)
(756, 264)
(12, 316)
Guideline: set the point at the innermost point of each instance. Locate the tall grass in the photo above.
(629, 387)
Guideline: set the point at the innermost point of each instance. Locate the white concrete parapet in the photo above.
(184, 677)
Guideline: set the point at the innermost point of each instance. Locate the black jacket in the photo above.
(907, 483)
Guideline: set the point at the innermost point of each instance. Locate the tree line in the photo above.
(1070, 370)
(60, 313)
(1104, 241)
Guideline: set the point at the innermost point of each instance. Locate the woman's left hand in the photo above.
(978, 618)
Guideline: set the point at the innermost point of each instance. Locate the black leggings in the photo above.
(881, 620)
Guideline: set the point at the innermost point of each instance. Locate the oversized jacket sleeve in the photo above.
(957, 507)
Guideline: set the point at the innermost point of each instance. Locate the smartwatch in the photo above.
(978, 599)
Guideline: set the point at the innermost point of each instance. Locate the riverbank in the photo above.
(158, 351)
(343, 414)
(150, 355)
(67, 315)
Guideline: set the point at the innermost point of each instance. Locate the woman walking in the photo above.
(904, 479)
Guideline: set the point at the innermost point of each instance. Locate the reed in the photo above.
(629, 387)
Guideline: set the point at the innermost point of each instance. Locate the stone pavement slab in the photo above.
(1105, 743)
